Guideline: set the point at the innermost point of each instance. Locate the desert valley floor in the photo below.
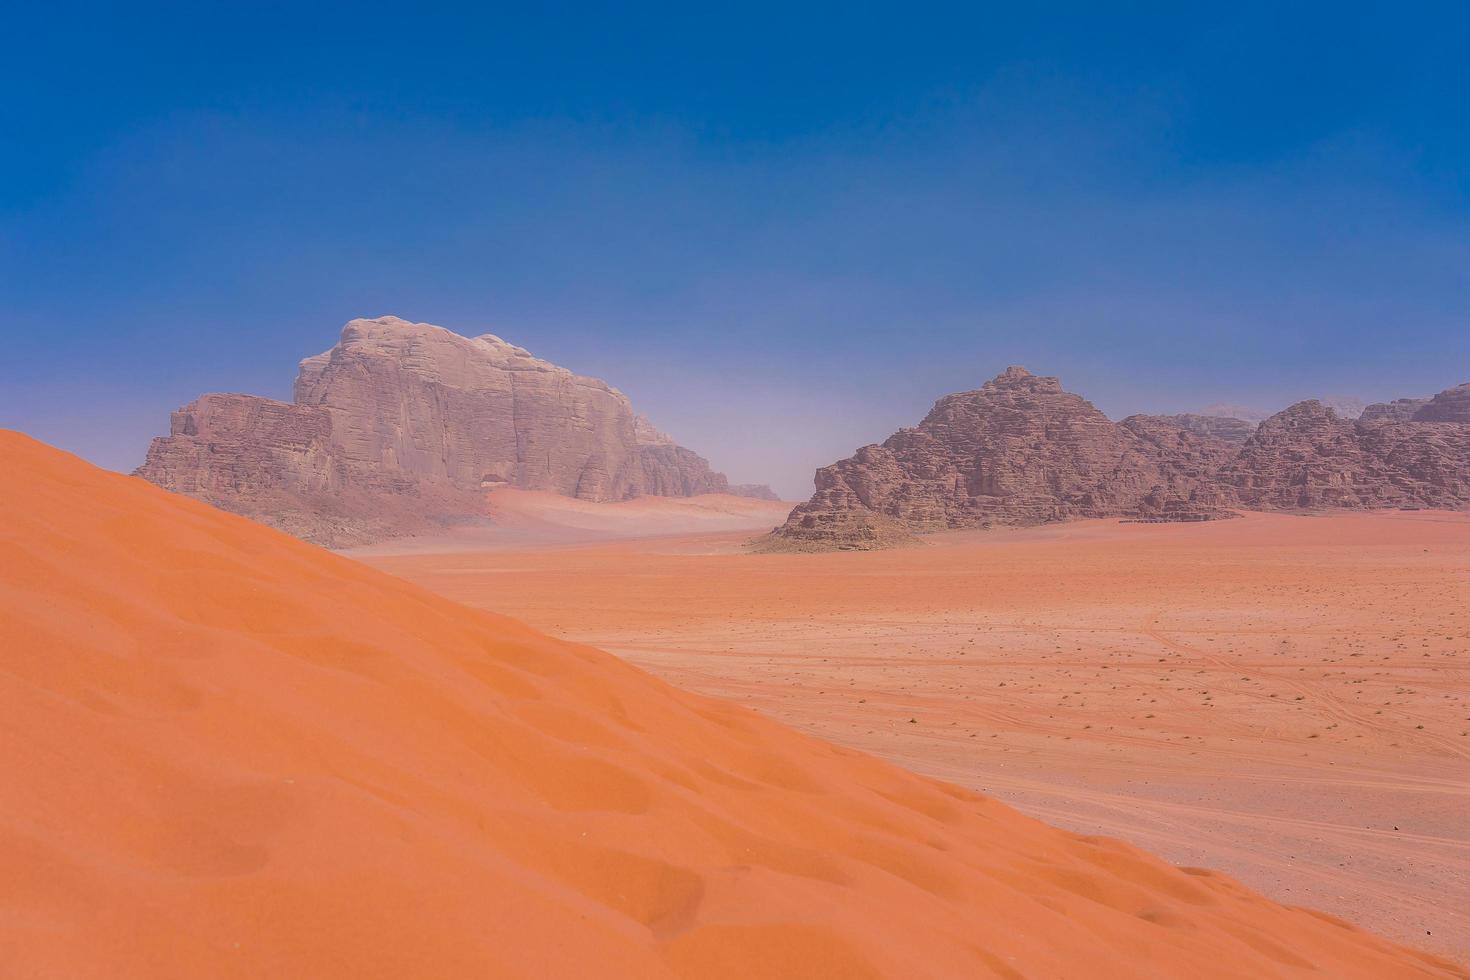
(1284, 698)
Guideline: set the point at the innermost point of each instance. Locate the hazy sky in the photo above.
(782, 232)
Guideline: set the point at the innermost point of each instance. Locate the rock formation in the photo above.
(1188, 451)
(1306, 458)
(1450, 405)
(1021, 450)
(400, 426)
(1302, 457)
(1018, 451)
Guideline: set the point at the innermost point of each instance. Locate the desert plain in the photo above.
(1284, 698)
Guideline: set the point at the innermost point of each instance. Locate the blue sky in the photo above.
(784, 232)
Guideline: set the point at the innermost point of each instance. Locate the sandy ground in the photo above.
(230, 754)
(1284, 698)
(534, 518)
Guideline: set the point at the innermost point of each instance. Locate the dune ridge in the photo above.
(235, 754)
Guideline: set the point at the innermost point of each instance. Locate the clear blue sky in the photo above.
(784, 232)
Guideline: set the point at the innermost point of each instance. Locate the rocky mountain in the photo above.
(1307, 458)
(1303, 457)
(1021, 450)
(400, 426)
(1450, 405)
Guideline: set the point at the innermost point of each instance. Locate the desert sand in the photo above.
(537, 518)
(1286, 698)
(230, 753)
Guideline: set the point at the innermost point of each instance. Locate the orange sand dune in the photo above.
(229, 753)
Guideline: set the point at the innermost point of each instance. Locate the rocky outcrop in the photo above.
(400, 427)
(1307, 458)
(1450, 405)
(1020, 450)
(1303, 457)
(1188, 451)
(218, 444)
(1426, 463)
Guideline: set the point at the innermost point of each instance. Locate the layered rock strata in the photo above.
(400, 426)
(1450, 405)
(1018, 451)
(1021, 451)
(1307, 458)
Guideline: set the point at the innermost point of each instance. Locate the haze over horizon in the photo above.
(782, 235)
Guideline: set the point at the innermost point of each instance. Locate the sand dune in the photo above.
(1279, 697)
(229, 753)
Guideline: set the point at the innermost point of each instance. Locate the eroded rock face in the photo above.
(1301, 458)
(1021, 450)
(1307, 458)
(1450, 405)
(400, 426)
(1427, 464)
(1018, 451)
(1188, 451)
(218, 444)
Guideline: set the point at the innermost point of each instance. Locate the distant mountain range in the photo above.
(1020, 450)
(401, 427)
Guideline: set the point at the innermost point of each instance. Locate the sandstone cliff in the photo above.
(401, 425)
(1302, 457)
(1020, 450)
(1307, 458)
(1450, 405)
